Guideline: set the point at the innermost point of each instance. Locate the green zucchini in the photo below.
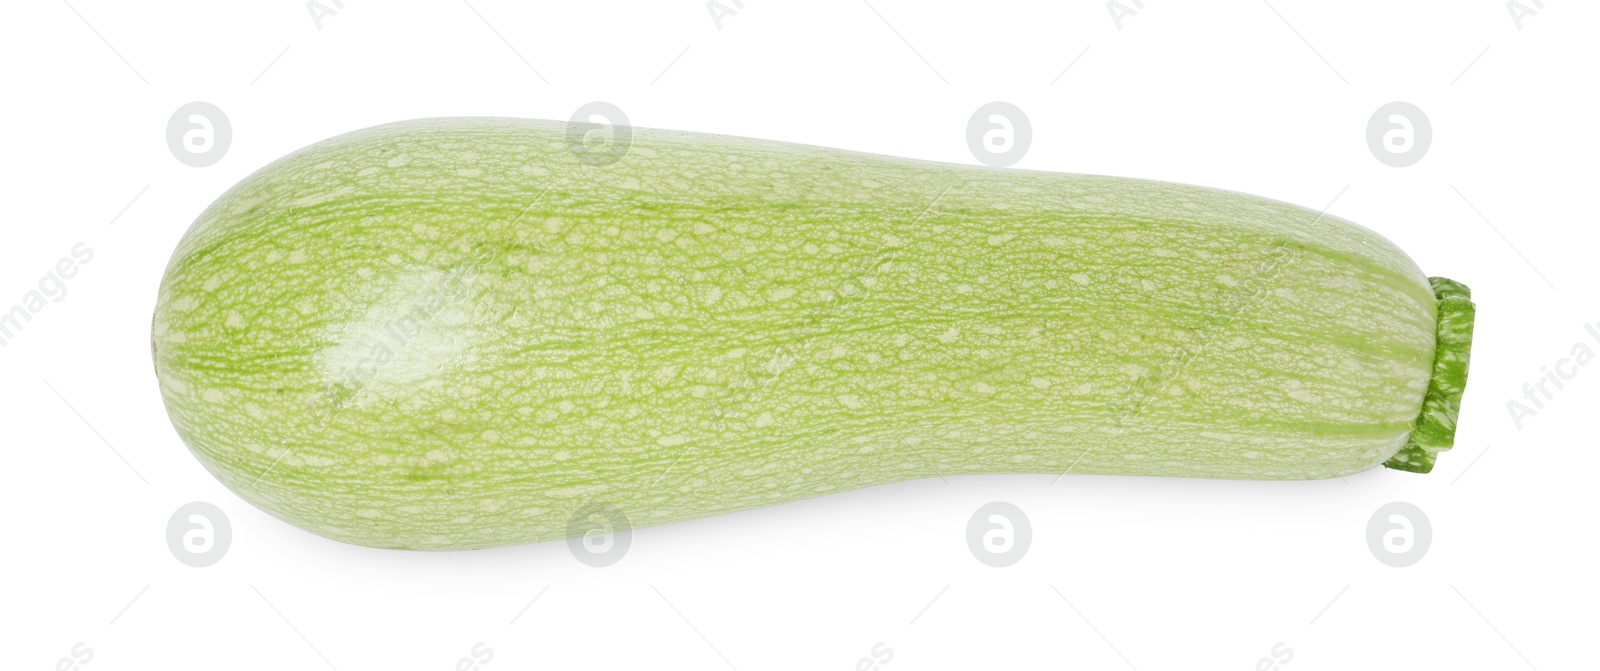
(458, 333)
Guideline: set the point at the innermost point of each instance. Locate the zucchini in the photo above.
(456, 333)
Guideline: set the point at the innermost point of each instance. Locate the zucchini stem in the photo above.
(1435, 428)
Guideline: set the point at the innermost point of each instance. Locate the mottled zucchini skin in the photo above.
(456, 333)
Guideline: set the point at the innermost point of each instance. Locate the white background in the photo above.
(1140, 573)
